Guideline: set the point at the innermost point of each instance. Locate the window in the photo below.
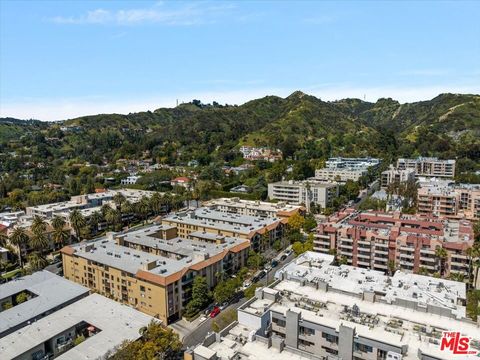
(306, 331)
(142, 288)
(279, 322)
(330, 351)
(305, 342)
(362, 347)
(330, 338)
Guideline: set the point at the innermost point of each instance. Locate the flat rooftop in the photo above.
(51, 291)
(252, 204)
(396, 325)
(235, 345)
(446, 230)
(117, 323)
(193, 248)
(131, 194)
(223, 220)
(316, 268)
(312, 182)
(182, 252)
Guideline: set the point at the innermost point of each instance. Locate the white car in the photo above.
(246, 285)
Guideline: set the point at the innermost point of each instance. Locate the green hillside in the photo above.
(302, 126)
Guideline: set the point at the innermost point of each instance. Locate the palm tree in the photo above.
(95, 218)
(441, 255)
(156, 203)
(113, 217)
(104, 209)
(78, 222)
(119, 199)
(60, 234)
(39, 239)
(143, 208)
(36, 261)
(3, 239)
(20, 239)
(473, 254)
(58, 222)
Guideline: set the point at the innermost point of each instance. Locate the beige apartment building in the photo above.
(391, 241)
(152, 269)
(393, 175)
(205, 222)
(255, 207)
(429, 167)
(303, 192)
(462, 201)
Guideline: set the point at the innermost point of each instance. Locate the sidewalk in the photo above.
(184, 328)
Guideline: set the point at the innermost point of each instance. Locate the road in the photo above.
(198, 335)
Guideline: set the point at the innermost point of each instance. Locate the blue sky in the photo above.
(63, 59)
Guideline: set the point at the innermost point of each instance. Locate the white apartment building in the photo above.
(351, 163)
(429, 167)
(86, 201)
(254, 207)
(130, 180)
(323, 312)
(340, 174)
(342, 169)
(303, 192)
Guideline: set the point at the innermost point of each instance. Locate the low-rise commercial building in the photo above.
(205, 220)
(393, 175)
(429, 167)
(101, 323)
(254, 207)
(303, 192)
(151, 269)
(41, 294)
(389, 241)
(319, 311)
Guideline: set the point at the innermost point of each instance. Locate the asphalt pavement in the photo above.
(197, 335)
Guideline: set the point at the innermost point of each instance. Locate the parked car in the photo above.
(216, 310)
(268, 267)
(208, 310)
(283, 257)
(223, 306)
(288, 252)
(262, 274)
(274, 263)
(246, 284)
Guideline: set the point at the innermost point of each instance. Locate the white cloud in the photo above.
(186, 14)
(46, 109)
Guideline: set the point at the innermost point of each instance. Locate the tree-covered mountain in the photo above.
(302, 126)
